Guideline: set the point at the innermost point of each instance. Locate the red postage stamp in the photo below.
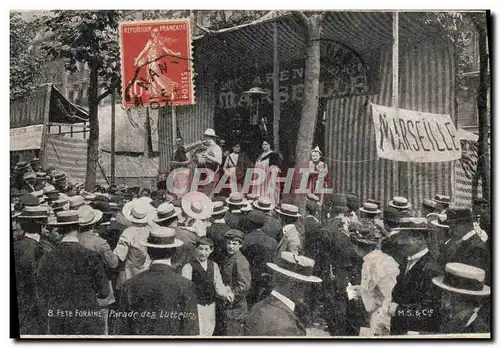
(156, 63)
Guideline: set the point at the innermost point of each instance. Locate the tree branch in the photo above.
(108, 91)
(199, 26)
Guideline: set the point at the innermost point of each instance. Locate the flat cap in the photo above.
(234, 234)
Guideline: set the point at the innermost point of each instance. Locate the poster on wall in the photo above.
(414, 136)
(156, 63)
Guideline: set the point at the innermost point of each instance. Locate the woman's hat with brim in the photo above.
(288, 210)
(219, 208)
(164, 212)
(296, 267)
(370, 208)
(236, 199)
(442, 199)
(364, 237)
(138, 211)
(162, 238)
(65, 218)
(34, 212)
(263, 203)
(463, 279)
(89, 216)
(399, 203)
(197, 205)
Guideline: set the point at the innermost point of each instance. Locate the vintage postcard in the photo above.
(253, 174)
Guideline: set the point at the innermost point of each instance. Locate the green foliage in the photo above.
(24, 61)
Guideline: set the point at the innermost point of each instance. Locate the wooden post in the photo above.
(46, 128)
(276, 89)
(146, 134)
(174, 124)
(113, 138)
(400, 168)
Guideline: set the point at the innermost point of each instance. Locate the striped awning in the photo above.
(252, 44)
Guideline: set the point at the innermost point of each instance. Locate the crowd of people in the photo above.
(124, 262)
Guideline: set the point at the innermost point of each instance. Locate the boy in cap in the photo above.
(217, 230)
(235, 272)
(205, 275)
(275, 315)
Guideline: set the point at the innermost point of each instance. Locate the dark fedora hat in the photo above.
(416, 224)
(459, 215)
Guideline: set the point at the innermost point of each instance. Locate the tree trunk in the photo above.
(310, 103)
(482, 109)
(93, 144)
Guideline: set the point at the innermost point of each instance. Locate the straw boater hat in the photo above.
(66, 218)
(58, 175)
(35, 160)
(210, 133)
(439, 220)
(313, 198)
(89, 216)
(138, 211)
(296, 267)
(247, 208)
(463, 279)
(237, 199)
(88, 196)
(263, 203)
(165, 211)
(429, 203)
(21, 165)
(197, 205)
(288, 210)
(219, 208)
(370, 208)
(251, 197)
(76, 202)
(374, 201)
(399, 203)
(442, 199)
(34, 212)
(60, 204)
(162, 238)
(41, 176)
(29, 175)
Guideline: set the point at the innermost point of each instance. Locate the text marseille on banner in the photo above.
(414, 136)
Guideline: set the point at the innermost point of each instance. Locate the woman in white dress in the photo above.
(269, 162)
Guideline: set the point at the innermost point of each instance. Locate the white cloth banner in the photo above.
(26, 138)
(414, 136)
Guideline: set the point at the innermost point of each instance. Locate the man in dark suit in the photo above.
(29, 182)
(311, 228)
(272, 226)
(235, 272)
(464, 300)
(467, 243)
(337, 264)
(27, 253)
(217, 230)
(234, 216)
(276, 315)
(414, 289)
(71, 280)
(259, 249)
(167, 299)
